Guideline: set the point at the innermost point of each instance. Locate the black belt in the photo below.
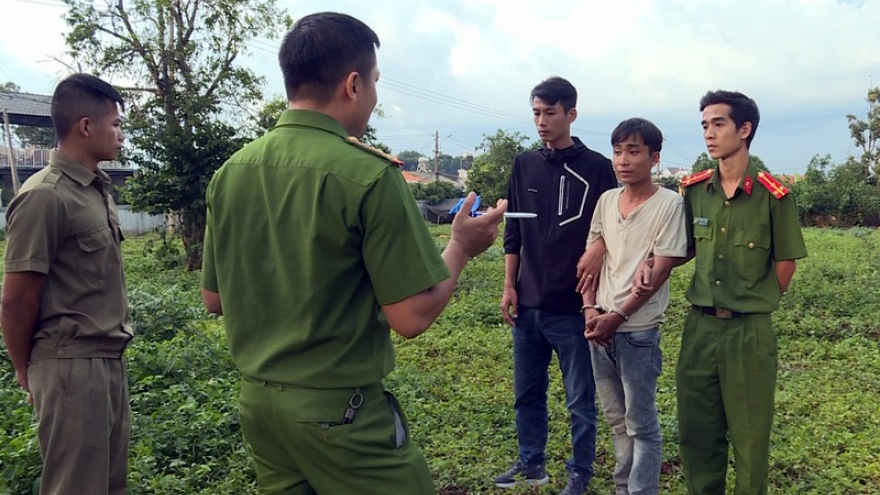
(724, 314)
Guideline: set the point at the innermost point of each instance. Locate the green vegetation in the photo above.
(491, 170)
(435, 192)
(455, 384)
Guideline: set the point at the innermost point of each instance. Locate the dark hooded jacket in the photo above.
(562, 187)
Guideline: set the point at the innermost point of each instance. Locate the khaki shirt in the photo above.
(64, 224)
(737, 242)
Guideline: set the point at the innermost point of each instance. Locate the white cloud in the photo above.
(804, 61)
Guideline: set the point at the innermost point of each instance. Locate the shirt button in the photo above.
(723, 230)
(717, 282)
(727, 203)
(720, 256)
(751, 245)
(60, 352)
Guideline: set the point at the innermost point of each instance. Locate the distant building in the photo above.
(428, 177)
(678, 172)
(31, 110)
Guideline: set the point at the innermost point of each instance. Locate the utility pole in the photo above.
(8, 132)
(436, 156)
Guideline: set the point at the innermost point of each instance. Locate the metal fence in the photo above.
(39, 158)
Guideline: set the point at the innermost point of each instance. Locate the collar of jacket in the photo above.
(559, 157)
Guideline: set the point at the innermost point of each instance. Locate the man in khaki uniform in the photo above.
(64, 309)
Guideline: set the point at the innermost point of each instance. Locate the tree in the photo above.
(836, 196)
(370, 133)
(448, 164)
(410, 159)
(490, 172)
(185, 104)
(29, 137)
(866, 134)
(268, 116)
(704, 162)
(434, 192)
(671, 182)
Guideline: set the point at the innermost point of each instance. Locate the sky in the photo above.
(465, 68)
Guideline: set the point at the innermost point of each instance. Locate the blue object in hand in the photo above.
(474, 212)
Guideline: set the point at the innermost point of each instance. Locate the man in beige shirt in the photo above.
(636, 221)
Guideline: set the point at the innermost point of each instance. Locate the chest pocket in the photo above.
(753, 251)
(96, 252)
(702, 232)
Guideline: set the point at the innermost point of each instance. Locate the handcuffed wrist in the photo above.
(619, 313)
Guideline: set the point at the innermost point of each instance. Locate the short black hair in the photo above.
(742, 108)
(78, 96)
(650, 133)
(321, 50)
(555, 90)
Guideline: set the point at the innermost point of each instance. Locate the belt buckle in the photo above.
(724, 314)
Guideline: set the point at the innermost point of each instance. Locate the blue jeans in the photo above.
(626, 378)
(536, 336)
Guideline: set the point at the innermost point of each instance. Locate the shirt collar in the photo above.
(310, 118)
(745, 184)
(75, 170)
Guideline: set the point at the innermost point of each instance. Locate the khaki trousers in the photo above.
(83, 424)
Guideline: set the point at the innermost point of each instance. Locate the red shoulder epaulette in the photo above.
(374, 151)
(772, 184)
(697, 177)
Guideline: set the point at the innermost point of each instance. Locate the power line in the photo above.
(414, 91)
(47, 3)
(392, 138)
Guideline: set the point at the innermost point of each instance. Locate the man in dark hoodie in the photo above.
(561, 183)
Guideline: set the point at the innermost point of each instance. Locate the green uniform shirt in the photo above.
(307, 235)
(737, 241)
(63, 223)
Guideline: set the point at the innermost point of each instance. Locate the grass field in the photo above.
(455, 384)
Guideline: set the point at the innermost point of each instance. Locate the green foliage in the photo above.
(705, 162)
(181, 57)
(434, 192)
(268, 114)
(410, 159)
(836, 196)
(672, 182)
(490, 172)
(866, 134)
(166, 251)
(455, 384)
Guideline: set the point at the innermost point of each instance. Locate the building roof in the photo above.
(417, 177)
(27, 109)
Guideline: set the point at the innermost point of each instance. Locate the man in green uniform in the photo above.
(314, 247)
(64, 309)
(746, 235)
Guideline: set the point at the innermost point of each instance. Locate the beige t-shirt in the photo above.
(656, 226)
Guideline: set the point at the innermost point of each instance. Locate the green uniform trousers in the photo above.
(301, 445)
(726, 379)
(83, 424)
